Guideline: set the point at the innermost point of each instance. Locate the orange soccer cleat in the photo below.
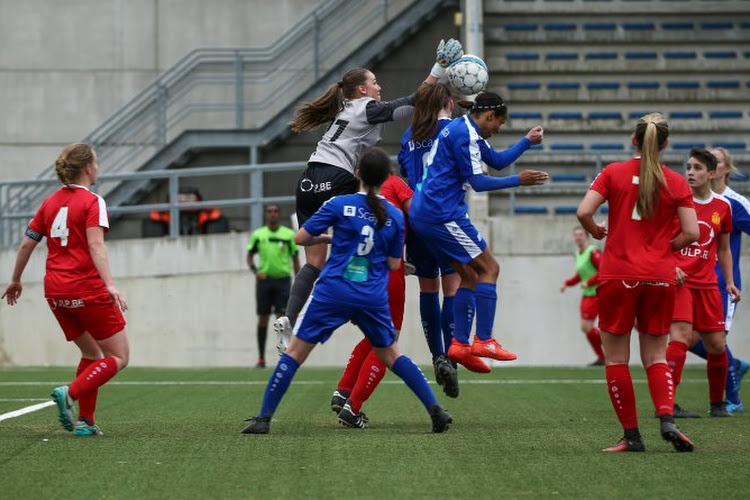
(491, 348)
(461, 353)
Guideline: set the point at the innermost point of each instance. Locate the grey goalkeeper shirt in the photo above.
(357, 127)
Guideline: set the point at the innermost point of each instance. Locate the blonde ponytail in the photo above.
(651, 134)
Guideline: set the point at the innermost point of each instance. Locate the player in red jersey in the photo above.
(588, 258)
(365, 370)
(636, 276)
(698, 311)
(78, 284)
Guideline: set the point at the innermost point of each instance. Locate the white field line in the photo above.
(22, 399)
(24, 411)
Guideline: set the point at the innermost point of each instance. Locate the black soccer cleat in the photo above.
(446, 376)
(348, 418)
(680, 412)
(441, 419)
(257, 425)
(670, 432)
(719, 410)
(625, 444)
(338, 400)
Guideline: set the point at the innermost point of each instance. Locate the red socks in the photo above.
(87, 402)
(620, 388)
(716, 369)
(595, 339)
(661, 387)
(372, 372)
(353, 366)
(92, 377)
(676, 353)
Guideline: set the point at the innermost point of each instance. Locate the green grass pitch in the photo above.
(517, 433)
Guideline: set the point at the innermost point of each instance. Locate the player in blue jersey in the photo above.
(433, 109)
(439, 216)
(367, 243)
(740, 224)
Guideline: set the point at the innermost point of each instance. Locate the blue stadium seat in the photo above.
(731, 145)
(566, 147)
(566, 209)
(680, 54)
(686, 115)
(643, 85)
(607, 146)
(635, 115)
(723, 84)
(684, 146)
(745, 25)
(739, 176)
(603, 85)
(717, 25)
(605, 115)
(521, 27)
(746, 54)
(530, 209)
(560, 26)
(526, 115)
(683, 85)
(677, 25)
(568, 177)
(640, 26)
(561, 56)
(601, 55)
(599, 26)
(604, 209)
(524, 85)
(521, 56)
(565, 115)
(640, 55)
(725, 115)
(720, 54)
(563, 85)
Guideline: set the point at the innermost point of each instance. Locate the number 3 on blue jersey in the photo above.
(427, 161)
(365, 247)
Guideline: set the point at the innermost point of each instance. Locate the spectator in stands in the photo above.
(355, 116)
(275, 247)
(637, 273)
(588, 258)
(192, 220)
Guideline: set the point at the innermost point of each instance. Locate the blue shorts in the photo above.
(320, 318)
(456, 240)
(729, 309)
(427, 264)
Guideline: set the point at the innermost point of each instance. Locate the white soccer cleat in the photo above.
(283, 329)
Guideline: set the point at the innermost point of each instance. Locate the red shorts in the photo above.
(98, 315)
(622, 302)
(589, 308)
(397, 296)
(700, 307)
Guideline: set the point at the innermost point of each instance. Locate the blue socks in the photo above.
(486, 297)
(447, 322)
(429, 310)
(732, 388)
(278, 384)
(463, 314)
(414, 378)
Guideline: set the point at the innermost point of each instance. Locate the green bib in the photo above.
(586, 269)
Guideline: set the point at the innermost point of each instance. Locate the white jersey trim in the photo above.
(463, 239)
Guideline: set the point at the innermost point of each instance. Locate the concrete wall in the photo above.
(67, 66)
(192, 304)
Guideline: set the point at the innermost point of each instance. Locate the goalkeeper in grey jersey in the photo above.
(355, 116)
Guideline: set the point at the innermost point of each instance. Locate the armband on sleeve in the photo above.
(33, 234)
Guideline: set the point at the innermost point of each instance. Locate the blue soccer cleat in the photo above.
(734, 408)
(64, 406)
(83, 428)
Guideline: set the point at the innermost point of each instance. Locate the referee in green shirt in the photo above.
(275, 247)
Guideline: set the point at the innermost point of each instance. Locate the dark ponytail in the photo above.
(374, 169)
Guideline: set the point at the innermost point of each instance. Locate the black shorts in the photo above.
(319, 183)
(272, 293)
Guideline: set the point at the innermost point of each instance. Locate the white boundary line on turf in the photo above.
(328, 382)
(24, 411)
(14, 400)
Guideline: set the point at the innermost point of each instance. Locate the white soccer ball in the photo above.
(468, 75)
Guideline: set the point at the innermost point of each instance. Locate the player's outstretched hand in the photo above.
(117, 297)
(532, 177)
(536, 135)
(13, 292)
(449, 52)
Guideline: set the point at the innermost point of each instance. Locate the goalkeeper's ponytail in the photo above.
(325, 107)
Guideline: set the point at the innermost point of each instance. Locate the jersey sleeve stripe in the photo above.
(103, 218)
